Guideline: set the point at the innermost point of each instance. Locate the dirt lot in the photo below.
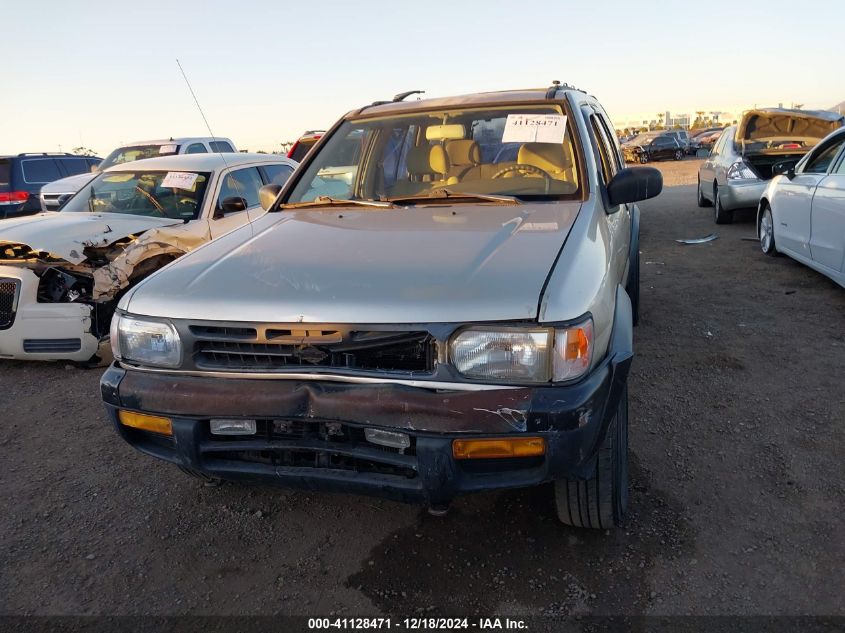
(737, 434)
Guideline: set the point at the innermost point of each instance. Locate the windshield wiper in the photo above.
(445, 194)
(328, 201)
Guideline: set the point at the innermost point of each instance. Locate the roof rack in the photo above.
(556, 85)
(403, 95)
(48, 154)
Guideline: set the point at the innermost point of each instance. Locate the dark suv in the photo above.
(22, 176)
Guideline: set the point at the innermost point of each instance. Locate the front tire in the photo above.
(766, 232)
(643, 158)
(600, 502)
(679, 154)
(721, 215)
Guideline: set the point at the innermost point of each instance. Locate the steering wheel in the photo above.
(529, 169)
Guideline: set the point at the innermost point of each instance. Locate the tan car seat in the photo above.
(464, 159)
(428, 167)
(554, 159)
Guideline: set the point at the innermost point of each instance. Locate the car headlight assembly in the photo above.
(145, 342)
(523, 355)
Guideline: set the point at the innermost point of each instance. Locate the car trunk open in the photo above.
(768, 136)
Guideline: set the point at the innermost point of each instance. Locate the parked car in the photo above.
(61, 273)
(57, 192)
(304, 144)
(697, 139)
(433, 324)
(648, 147)
(802, 210)
(740, 164)
(707, 140)
(23, 175)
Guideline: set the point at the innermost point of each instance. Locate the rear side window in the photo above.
(277, 174)
(39, 171)
(4, 173)
(74, 166)
(221, 147)
(196, 148)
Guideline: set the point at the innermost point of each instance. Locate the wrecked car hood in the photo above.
(458, 263)
(766, 123)
(65, 235)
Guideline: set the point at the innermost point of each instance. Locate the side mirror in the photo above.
(784, 168)
(232, 204)
(267, 195)
(634, 184)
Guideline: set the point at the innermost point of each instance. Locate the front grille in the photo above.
(8, 302)
(236, 348)
(51, 345)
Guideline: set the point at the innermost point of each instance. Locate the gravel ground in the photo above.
(737, 439)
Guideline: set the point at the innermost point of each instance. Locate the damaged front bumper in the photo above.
(30, 330)
(310, 433)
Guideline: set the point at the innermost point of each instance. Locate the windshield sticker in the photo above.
(535, 128)
(167, 149)
(179, 180)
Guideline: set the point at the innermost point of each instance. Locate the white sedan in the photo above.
(802, 211)
(62, 273)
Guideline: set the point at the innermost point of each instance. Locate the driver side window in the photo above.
(820, 162)
(242, 183)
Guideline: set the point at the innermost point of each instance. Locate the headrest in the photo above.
(428, 159)
(550, 157)
(464, 152)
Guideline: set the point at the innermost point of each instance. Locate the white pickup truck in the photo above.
(54, 194)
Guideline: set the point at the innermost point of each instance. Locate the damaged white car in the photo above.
(61, 273)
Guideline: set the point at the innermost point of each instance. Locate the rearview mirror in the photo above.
(784, 168)
(232, 204)
(267, 195)
(634, 184)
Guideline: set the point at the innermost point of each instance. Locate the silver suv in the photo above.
(440, 301)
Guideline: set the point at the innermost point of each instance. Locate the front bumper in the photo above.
(44, 331)
(572, 419)
(741, 194)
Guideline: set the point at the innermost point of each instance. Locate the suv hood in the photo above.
(71, 184)
(65, 235)
(772, 123)
(461, 263)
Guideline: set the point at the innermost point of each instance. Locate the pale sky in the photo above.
(98, 73)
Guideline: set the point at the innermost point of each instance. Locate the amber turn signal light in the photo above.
(152, 423)
(492, 448)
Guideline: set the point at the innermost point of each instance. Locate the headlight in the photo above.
(741, 171)
(534, 355)
(145, 342)
(517, 354)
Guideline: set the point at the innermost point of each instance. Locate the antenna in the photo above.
(210, 133)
